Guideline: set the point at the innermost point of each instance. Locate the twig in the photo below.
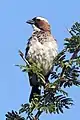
(22, 56)
(75, 54)
(72, 57)
(36, 117)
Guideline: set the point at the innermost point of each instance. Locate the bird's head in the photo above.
(39, 23)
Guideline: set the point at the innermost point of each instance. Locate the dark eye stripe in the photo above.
(38, 19)
(35, 19)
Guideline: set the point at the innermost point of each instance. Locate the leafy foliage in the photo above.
(14, 116)
(65, 73)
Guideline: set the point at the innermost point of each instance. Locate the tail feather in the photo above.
(35, 90)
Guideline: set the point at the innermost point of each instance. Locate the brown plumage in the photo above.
(42, 49)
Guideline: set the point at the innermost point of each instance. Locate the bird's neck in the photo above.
(41, 32)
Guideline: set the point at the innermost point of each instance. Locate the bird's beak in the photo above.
(30, 22)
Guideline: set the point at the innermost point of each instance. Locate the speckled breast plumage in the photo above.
(42, 49)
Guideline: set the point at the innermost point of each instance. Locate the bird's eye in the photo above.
(38, 19)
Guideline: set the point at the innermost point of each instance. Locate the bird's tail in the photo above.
(35, 90)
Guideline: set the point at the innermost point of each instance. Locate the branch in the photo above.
(75, 54)
(22, 56)
(72, 57)
(36, 117)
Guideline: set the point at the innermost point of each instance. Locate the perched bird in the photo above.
(42, 49)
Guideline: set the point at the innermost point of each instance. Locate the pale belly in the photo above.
(43, 55)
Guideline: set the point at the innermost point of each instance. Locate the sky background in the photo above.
(14, 32)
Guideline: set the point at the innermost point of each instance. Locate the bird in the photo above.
(41, 48)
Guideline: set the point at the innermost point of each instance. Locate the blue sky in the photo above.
(14, 32)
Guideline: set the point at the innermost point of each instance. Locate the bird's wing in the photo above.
(32, 77)
(27, 48)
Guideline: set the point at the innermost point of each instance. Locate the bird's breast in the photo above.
(42, 54)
